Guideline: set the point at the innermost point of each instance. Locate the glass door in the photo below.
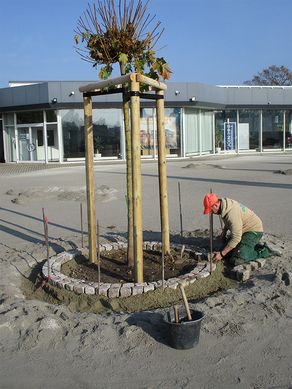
(37, 144)
(31, 144)
(24, 146)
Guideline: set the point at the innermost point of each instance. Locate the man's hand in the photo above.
(217, 256)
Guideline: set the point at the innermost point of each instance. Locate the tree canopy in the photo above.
(273, 75)
(121, 32)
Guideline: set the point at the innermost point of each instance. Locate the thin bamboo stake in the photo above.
(137, 182)
(81, 225)
(211, 237)
(43, 211)
(98, 252)
(46, 234)
(185, 302)
(48, 248)
(163, 264)
(162, 171)
(180, 211)
(88, 128)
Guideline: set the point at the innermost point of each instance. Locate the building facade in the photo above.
(44, 122)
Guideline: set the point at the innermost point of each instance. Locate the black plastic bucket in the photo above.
(186, 333)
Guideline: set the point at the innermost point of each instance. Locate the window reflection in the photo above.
(106, 138)
(288, 127)
(273, 125)
(148, 131)
(249, 129)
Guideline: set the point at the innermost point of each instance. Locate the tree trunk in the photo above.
(137, 182)
(130, 253)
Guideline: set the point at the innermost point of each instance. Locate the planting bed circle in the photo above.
(52, 270)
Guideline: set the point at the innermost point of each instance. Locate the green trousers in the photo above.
(249, 249)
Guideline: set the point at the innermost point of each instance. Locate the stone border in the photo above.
(115, 290)
(242, 272)
(202, 270)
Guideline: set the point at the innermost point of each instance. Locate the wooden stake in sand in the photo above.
(89, 163)
(81, 225)
(180, 211)
(211, 237)
(162, 261)
(162, 255)
(46, 234)
(98, 252)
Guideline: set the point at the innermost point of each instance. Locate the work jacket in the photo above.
(238, 219)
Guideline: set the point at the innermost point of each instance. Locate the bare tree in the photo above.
(122, 32)
(273, 75)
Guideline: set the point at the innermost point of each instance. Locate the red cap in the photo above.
(209, 200)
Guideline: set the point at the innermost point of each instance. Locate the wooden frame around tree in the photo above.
(134, 81)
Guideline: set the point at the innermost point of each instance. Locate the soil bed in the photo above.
(114, 266)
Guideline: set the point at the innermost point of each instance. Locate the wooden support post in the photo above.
(137, 182)
(162, 172)
(130, 250)
(88, 128)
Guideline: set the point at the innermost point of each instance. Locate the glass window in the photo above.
(192, 132)
(11, 144)
(51, 137)
(206, 131)
(249, 129)
(8, 119)
(273, 129)
(40, 137)
(172, 124)
(73, 133)
(147, 131)
(107, 124)
(288, 126)
(51, 116)
(222, 117)
(29, 117)
(53, 144)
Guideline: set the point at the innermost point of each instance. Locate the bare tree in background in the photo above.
(273, 75)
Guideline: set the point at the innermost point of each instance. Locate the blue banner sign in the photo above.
(229, 135)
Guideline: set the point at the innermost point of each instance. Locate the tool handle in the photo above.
(185, 302)
(175, 308)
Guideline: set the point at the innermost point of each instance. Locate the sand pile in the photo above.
(258, 309)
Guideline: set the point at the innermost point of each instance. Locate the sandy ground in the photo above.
(246, 333)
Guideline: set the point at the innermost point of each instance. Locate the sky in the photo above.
(216, 42)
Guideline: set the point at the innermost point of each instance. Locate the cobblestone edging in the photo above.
(202, 270)
(115, 290)
(242, 272)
